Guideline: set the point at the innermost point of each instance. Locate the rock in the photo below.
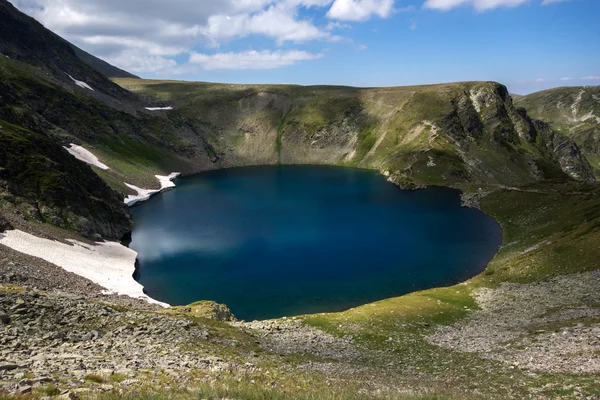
(24, 383)
(41, 380)
(8, 366)
(4, 318)
(24, 389)
(68, 395)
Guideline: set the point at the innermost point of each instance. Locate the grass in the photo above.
(94, 378)
(251, 390)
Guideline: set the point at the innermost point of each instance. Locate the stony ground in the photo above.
(59, 342)
(548, 326)
(63, 340)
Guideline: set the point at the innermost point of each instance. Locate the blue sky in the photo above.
(528, 45)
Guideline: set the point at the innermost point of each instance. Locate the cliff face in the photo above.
(429, 134)
(572, 111)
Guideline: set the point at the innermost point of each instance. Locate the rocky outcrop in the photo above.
(486, 112)
(575, 111)
(569, 155)
(204, 309)
(4, 224)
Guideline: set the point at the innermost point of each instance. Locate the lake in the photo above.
(279, 241)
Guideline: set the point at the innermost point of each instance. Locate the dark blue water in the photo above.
(281, 241)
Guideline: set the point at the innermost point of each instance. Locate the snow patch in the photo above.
(158, 108)
(81, 84)
(86, 156)
(167, 181)
(110, 264)
(144, 194)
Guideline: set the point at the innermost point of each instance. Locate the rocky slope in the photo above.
(573, 111)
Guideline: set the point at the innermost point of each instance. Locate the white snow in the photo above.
(81, 84)
(158, 108)
(144, 194)
(167, 181)
(108, 264)
(86, 156)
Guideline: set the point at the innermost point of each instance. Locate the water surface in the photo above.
(281, 241)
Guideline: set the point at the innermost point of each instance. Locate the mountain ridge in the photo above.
(527, 327)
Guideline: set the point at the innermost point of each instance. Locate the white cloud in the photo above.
(360, 10)
(137, 62)
(566, 78)
(251, 59)
(479, 5)
(591, 78)
(335, 25)
(540, 80)
(277, 22)
(145, 35)
(546, 2)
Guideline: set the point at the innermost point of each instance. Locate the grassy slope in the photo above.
(405, 130)
(133, 146)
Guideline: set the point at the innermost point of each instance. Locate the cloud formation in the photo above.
(480, 5)
(144, 36)
(360, 10)
(251, 59)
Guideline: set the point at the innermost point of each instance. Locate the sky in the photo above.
(528, 45)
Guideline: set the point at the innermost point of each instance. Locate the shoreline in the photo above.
(121, 280)
(109, 264)
(166, 182)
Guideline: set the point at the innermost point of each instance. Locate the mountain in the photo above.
(572, 111)
(438, 134)
(527, 327)
(100, 65)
